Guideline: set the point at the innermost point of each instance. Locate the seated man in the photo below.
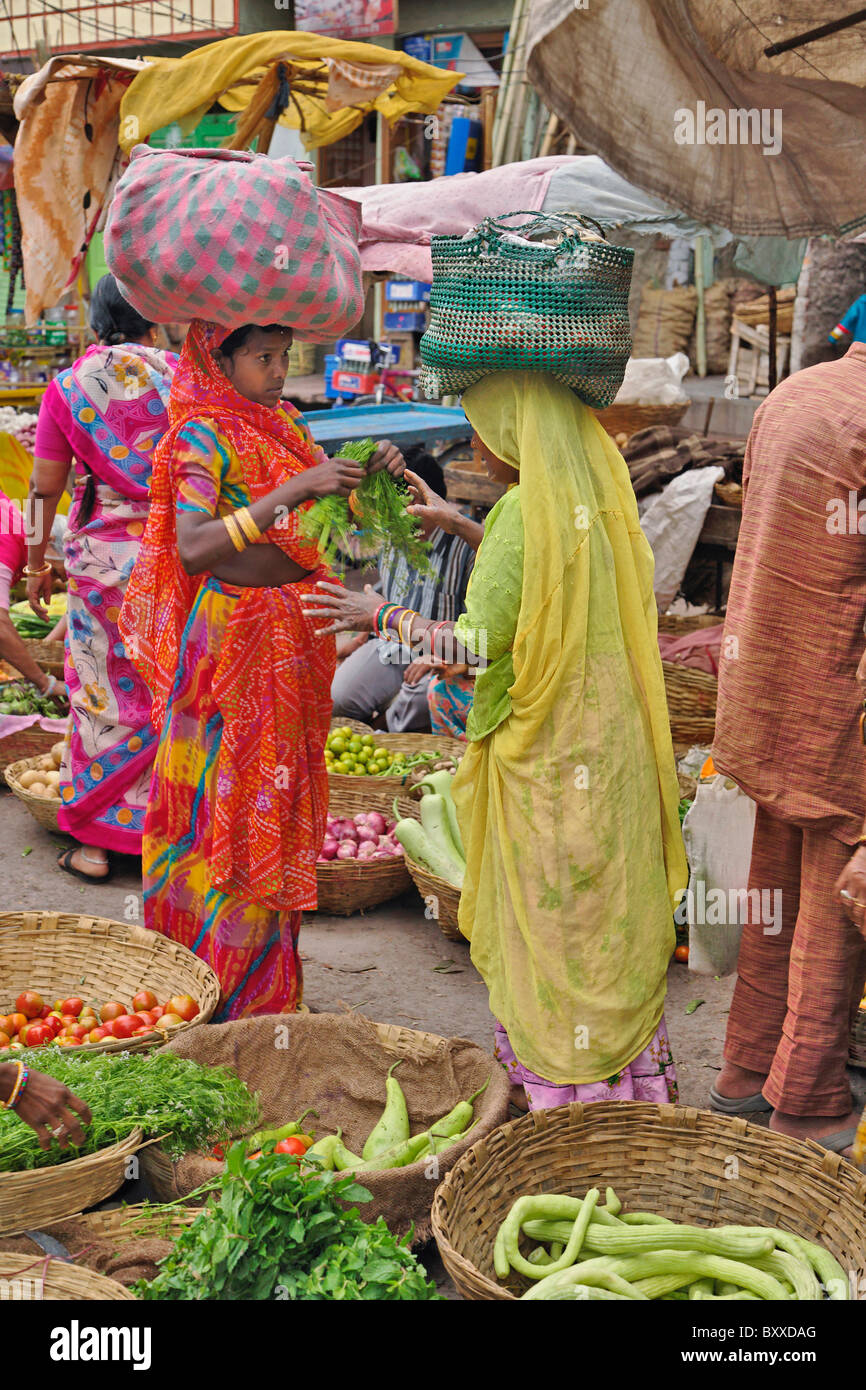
(378, 676)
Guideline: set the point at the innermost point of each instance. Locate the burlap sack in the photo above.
(92, 1246)
(337, 1064)
(717, 318)
(665, 321)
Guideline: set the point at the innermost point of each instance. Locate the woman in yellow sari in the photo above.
(567, 795)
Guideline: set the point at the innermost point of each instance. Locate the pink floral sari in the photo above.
(108, 411)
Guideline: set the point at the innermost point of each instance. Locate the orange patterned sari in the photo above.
(241, 687)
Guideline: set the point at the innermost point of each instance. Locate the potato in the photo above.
(28, 777)
(57, 751)
(46, 763)
(54, 792)
(37, 788)
(53, 778)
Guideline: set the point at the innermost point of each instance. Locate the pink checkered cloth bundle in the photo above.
(235, 238)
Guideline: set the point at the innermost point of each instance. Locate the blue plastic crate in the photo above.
(415, 291)
(406, 323)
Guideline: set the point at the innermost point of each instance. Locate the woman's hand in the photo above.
(388, 456)
(50, 1109)
(342, 609)
(419, 668)
(429, 508)
(851, 888)
(39, 593)
(334, 478)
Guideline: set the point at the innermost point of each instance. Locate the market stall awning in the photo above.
(680, 97)
(400, 218)
(322, 86)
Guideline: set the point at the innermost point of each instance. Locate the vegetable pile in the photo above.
(191, 1106)
(20, 697)
(29, 625)
(267, 1232)
(359, 755)
(367, 836)
(43, 779)
(376, 513)
(435, 842)
(391, 1144)
(72, 1023)
(589, 1251)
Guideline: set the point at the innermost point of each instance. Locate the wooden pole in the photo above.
(701, 316)
(547, 142)
(772, 370)
(504, 109)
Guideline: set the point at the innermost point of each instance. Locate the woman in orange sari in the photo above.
(240, 681)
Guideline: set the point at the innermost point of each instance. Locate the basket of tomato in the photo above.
(77, 981)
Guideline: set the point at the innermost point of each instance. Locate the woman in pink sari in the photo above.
(106, 413)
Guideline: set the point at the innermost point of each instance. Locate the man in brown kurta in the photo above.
(787, 733)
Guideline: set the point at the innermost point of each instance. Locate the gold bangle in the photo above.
(400, 621)
(236, 535)
(244, 519)
(412, 616)
(34, 574)
(13, 1094)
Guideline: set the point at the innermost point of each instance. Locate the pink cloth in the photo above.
(400, 218)
(652, 1076)
(13, 546)
(699, 650)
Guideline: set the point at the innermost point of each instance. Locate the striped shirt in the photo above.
(439, 595)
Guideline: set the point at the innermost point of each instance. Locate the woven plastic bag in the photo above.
(235, 238)
(548, 294)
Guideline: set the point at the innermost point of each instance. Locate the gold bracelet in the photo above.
(34, 574)
(412, 616)
(407, 612)
(13, 1094)
(236, 535)
(244, 519)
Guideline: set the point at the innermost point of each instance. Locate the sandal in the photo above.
(738, 1105)
(64, 862)
(838, 1141)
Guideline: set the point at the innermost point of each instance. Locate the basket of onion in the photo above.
(361, 863)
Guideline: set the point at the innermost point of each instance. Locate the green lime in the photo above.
(355, 745)
(359, 770)
(337, 745)
(367, 740)
(399, 757)
(340, 767)
(381, 752)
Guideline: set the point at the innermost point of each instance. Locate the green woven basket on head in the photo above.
(548, 294)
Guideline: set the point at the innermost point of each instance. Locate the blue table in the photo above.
(404, 424)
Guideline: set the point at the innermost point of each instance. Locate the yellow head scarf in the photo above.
(569, 809)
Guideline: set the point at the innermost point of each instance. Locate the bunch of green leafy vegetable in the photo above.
(380, 522)
(20, 697)
(192, 1105)
(268, 1232)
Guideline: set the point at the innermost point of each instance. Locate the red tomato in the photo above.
(67, 1020)
(169, 1021)
(98, 1034)
(124, 1026)
(157, 1012)
(143, 1000)
(69, 1042)
(30, 1003)
(54, 1023)
(295, 1144)
(79, 1030)
(112, 1010)
(72, 1005)
(88, 1012)
(5, 1040)
(35, 1034)
(5, 1026)
(16, 1022)
(184, 1006)
(44, 1011)
(144, 1032)
(682, 954)
(147, 1016)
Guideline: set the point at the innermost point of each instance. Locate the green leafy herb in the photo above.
(382, 520)
(695, 1004)
(194, 1106)
(20, 697)
(268, 1232)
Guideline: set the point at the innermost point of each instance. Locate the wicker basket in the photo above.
(48, 655)
(56, 1280)
(42, 808)
(441, 900)
(628, 419)
(345, 886)
(36, 1196)
(679, 624)
(663, 1158)
(32, 742)
(730, 494)
(691, 697)
(354, 724)
(95, 958)
(380, 791)
(857, 1041)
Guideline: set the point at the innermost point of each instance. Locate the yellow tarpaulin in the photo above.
(172, 89)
